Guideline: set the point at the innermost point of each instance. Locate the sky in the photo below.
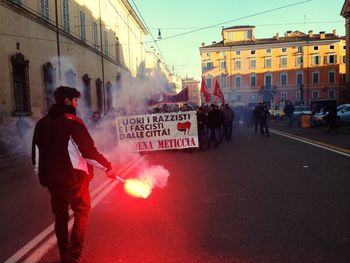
(207, 18)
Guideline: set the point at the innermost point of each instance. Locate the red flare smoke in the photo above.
(137, 188)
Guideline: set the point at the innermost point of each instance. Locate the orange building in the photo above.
(298, 67)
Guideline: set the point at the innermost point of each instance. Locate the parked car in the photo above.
(276, 113)
(344, 114)
(318, 119)
(301, 110)
(319, 104)
(341, 106)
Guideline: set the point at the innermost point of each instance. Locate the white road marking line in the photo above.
(309, 142)
(96, 196)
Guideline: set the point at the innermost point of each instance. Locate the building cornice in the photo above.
(135, 16)
(272, 45)
(345, 12)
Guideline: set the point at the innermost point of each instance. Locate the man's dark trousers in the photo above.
(79, 200)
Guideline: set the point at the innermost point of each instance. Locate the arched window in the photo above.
(331, 76)
(109, 89)
(252, 80)
(284, 78)
(268, 80)
(87, 91)
(315, 77)
(21, 89)
(99, 95)
(300, 77)
(49, 84)
(118, 83)
(238, 81)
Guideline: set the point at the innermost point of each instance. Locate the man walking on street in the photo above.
(288, 111)
(256, 115)
(201, 125)
(264, 115)
(228, 121)
(62, 152)
(213, 124)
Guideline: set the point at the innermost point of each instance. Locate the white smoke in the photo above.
(16, 136)
(132, 97)
(155, 175)
(136, 92)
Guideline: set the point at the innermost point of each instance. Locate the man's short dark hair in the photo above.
(63, 92)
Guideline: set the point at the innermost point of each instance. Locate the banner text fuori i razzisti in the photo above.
(161, 131)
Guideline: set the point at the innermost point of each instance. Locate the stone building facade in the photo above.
(97, 46)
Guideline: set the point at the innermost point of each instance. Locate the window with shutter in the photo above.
(21, 89)
(332, 59)
(105, 46)
(99, 95)
(66, 21)
(45, 9)
(82, 26)
(87, 91)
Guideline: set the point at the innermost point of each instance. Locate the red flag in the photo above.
(162, 97)
(182, 96)
(218, 92)
(204, 90)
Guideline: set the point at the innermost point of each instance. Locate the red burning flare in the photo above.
(137, 188)
(143, 184)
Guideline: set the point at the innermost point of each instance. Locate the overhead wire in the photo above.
(196, 28)
(211, 26)
(234, 20)
(144, 22)
(257, 25)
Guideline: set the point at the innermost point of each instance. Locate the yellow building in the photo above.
(298, 67)
(94, 45)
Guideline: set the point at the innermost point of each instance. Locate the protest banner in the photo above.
(161, 131)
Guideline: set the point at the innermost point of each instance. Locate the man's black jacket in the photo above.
(61, 148)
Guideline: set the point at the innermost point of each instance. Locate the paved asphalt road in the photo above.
(253, 199)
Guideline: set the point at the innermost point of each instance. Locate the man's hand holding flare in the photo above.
(111, 173)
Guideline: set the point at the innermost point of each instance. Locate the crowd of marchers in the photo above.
(215, 123)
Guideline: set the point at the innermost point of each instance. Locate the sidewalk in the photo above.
(342, 139)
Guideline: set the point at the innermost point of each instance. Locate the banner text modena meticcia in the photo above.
(161, 131)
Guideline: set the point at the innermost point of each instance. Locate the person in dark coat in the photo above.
(61, 154)
(213, 122)
(288, 111)
(220, 130)
(332, 120)
(256, 115)
(264, 115)
(202, 125)
(229, 117)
